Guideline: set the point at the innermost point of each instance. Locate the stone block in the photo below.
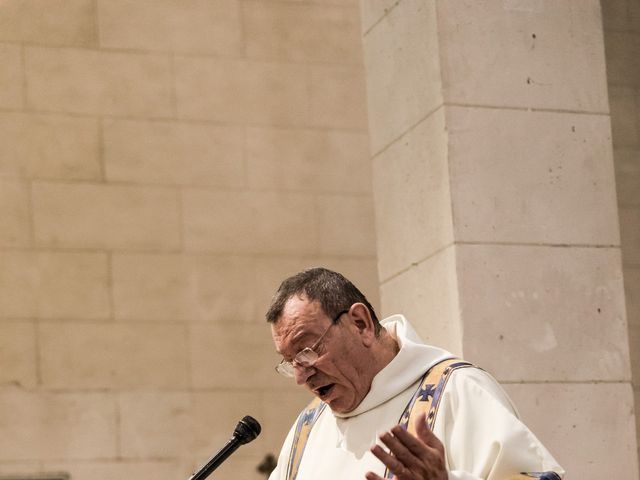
(249, 222)
(54, 285)
(271, 271)
(18, 354)
(48, 426)
(105, 216)
(630, 232)
(66, 22)
(427, 294)
(233, 356)
(555, 186)
(557, 312)
(373, 11)
(345, 225)
(412, 197)
(623, 48)
(11, 469)
(193, 26)
(616, 16)
(403, 75)
(579, 424)
(108, 469)
(173, 153)
(11, 76)
(246, 92)
(624, 117)
(546, 55)
(337, 97)
(312, 160)
(302, 32)
(627, 165)
(113, 355)
(49, 146)
(216, 414)
(281, 410)
(187, 288)
(155, 424)
(15, 229)
(98, 82)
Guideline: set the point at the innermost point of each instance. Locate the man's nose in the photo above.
(302, 373)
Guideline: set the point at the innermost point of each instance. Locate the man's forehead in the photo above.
(300, 318)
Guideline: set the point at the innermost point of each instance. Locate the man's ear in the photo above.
(361, 318)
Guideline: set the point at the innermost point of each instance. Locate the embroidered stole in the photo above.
(426, 399)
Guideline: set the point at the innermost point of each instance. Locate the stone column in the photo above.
(496, 216)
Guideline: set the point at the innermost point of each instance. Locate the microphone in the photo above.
(247, 430)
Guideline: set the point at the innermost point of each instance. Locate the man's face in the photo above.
(342, 375)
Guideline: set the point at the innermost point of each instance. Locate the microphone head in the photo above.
(247, 430)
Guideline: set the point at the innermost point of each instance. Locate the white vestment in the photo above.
(477, 423)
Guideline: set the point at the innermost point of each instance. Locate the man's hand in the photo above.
(412, 458)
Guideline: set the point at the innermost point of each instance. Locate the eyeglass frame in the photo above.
(287, 369)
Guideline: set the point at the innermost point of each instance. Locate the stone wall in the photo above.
(163, 165)
(496, 213)
(621, 19)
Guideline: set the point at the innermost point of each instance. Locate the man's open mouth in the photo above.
(324, 391)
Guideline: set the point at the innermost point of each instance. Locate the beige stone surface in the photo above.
(589, 428)
(155, 424)
(19, 468)
(412, 197)
(105, 469)
(523, 54)
(49, 146)
(302, 32)
(345, 225)
(281, 411)
(630, 231)
(194, 26)
(271, 271)
(560, 307)
(337, 97)
(373, 11)
(510, 185)
(98, 82)
(15, 227)
(173, 153)
(395, 68)
(310, 160)
(11, 76)
(428, 295)
(627, 164)
(54, 285)
(216, 413)
(252, 92)
(113, 356)
(249, 222)
(233, 356)
(622, 50)
(105, 216)
(625, 119)
(184, 288)
(18, 354)
(52, 22)
(44, 426)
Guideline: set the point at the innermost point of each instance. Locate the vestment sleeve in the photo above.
(483, 437)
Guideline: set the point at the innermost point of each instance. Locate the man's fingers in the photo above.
(391, 462)
(426, 435)
(399, 448)
(372, 476)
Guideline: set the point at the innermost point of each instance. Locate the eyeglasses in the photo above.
(306, 357)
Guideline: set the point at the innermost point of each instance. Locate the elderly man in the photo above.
(397, 408)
